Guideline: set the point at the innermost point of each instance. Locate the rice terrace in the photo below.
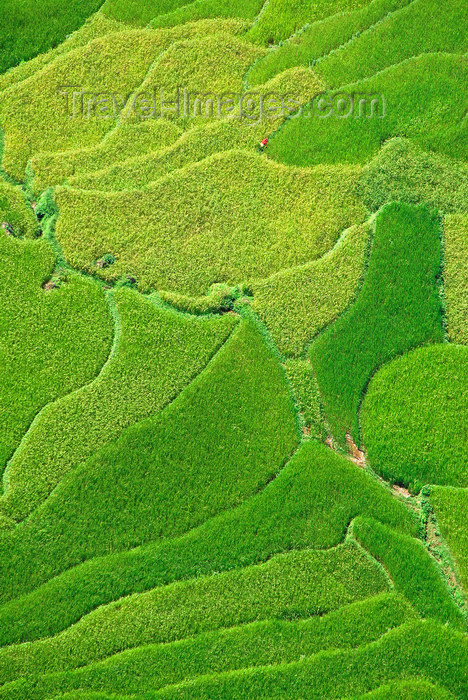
(234, 349)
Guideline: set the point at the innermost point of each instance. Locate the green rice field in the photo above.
(234, 350)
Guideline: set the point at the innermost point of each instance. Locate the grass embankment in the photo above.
(158, 353)
(456, 276)
(174, 12)
(396, 38)
(416, 689)
(255, 644)
(403, 172)
(418, 649)
(450, 507)
(125, 141)
(96, 26)
(414, 418)
(424, 102)
(216, 444)
(319, 38)
(52, 341)
(204, 9)
(281, 18)
(309, 504)
(398, 308)
(30, 27)
(295, 304)
(296, 584)
(16, 215)
(194, 145)
(34, 115)
(412, 570)
(242, 217)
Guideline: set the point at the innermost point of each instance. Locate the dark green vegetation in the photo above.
(52, 340)
(398, 308)
(292, 585)
(29, 27)
(433, 116)
(257, 643)
(450, 506)
(157, 353)
(222, 365)
(141, 484)
(414, 418)
(309, 504)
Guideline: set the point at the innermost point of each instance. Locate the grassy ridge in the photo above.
(309, 504)
(423, 97)
(296, 584)
(420, 649)
(217, 443)
(52, 341)
(397, 38)
(450, 506)
(281, 18)
(30, 27)
(296, 304)
(398, 308)
(94, 27)
(194, 145)
(137, 12)
(456, 276)
(414, 418)
(255, 644)
(319, 38)
(412, 570)
(271, 217)
(33, 112)
(407, 690)
(403, 172)
(16, 215)
(158, 353)
(205, 9)
(125, 141)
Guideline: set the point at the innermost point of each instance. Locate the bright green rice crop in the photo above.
(217, 443)
(255, 644)
(398, 308)
(456, 276)
(52, 341)
(158, 352)
(296, 584)
(309, 504)
(415, 418)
